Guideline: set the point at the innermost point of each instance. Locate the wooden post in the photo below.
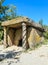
(24, 35)
(5, 37)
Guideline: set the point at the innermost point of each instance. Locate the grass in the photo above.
(45, 42)
(0, 42)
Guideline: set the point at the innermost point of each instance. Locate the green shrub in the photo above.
(46, 34)
(1, 35)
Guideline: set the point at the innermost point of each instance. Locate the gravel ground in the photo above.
(36, 57)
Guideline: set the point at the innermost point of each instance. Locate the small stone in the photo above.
(2, 57)
(17, 57)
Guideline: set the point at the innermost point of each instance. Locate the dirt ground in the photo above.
(35, 57)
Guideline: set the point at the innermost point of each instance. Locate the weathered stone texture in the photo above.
(18, 36)
(10, 37)
(33, 37)
(5, 37)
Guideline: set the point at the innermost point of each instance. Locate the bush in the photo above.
(1, 35)
(46, 34)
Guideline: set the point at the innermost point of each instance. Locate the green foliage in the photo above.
(1, 32)
(1, 35)
(45, 27)
(45, 42)
(41, 22)
(2, 10)
(11, 12)
(7, 12)
(46, 34)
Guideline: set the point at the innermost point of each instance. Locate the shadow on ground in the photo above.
(9, 55)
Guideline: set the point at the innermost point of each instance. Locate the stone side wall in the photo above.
(33, 37)
(10, 37)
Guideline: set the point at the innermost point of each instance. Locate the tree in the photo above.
(7, 12)
(11, 11)
(2, 10)
(41, 22)
(46, 31)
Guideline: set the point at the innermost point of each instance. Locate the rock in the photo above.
(17, 57)
(13, 48)
(10, 52)
(2, 56)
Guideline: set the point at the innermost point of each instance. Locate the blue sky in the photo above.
(34, 9)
